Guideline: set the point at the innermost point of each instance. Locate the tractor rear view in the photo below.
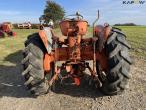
(6, 30)
(107, 49)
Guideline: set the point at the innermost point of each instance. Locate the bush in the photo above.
(35, 26)
(15, 26)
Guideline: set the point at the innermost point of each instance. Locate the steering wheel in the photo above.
(76, 16)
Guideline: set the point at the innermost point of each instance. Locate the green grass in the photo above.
(10, 45)
(136, 36)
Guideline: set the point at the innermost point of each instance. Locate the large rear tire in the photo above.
(35, 78)
(118, 63)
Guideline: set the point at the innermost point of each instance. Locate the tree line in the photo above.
(126, 24)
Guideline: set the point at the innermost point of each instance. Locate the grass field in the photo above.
(136, 36)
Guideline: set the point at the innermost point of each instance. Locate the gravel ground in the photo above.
(14, 96)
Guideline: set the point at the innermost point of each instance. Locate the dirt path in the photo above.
(14, 96)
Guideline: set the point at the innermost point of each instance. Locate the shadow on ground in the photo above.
(11, 82)
(84, 90)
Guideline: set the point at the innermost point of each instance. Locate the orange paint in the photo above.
(68, 27)
(44, 38)
(47, 61)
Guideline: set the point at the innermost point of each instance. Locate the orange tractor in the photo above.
(6, 30)
(107, 49)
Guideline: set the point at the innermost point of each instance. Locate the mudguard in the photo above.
(102, 32)
(46, 37)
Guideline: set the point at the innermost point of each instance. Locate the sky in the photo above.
(111, 11)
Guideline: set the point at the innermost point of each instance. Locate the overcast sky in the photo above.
(111, 11)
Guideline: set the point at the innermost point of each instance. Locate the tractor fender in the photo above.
(46, 37)
(102, 32)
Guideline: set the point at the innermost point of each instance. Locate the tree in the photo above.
(53, 11)
(125, 24)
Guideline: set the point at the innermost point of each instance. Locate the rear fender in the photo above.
(102, 32)
(46, 37)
